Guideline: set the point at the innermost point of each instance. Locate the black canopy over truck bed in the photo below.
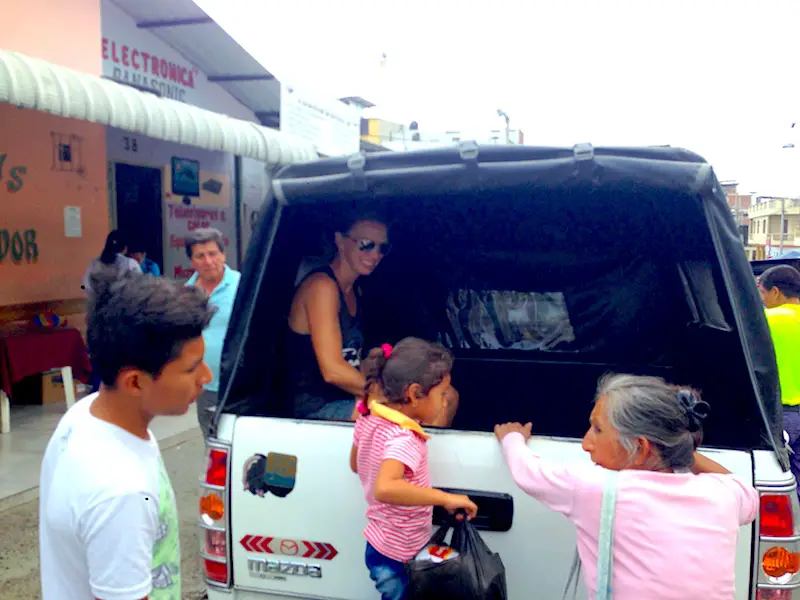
(637, 246)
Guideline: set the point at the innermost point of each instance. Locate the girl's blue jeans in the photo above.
(389, 575)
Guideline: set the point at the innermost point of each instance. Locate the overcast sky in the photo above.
(719, 77)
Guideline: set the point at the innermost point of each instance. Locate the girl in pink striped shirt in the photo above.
(407, 386)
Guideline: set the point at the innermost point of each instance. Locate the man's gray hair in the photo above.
(203, 236)
(650, 408)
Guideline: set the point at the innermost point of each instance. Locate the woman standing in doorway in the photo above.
(325, 336)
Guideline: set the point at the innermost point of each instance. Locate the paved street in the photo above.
(19, 558)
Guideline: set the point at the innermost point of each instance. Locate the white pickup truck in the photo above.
(542, 269)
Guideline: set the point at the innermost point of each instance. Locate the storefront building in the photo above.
(144, 203)
(81, 154)
(49, 167)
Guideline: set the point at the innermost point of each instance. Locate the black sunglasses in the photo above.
(365, 245)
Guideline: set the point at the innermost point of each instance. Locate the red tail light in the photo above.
(765, 594)
(216, 571)
(217, 470)
(776, 516)
(214, 520)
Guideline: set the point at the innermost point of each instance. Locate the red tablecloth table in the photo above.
(32, 351)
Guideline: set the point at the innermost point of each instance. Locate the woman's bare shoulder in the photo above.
(318, 282)
(318, 286)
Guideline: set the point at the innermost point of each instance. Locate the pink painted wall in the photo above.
(38, 261)
(65, 32)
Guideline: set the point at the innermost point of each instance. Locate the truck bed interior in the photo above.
(537, 294)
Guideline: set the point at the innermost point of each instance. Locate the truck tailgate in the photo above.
(307, 541)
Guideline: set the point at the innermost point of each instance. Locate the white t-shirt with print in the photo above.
(108, 525)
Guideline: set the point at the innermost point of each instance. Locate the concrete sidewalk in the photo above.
(22, 449)
(19, 541)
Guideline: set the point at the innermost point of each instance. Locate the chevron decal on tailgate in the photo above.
(287, 547)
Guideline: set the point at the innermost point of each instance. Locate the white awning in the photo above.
(32, 83)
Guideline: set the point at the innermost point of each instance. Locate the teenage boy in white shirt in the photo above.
(108, 524)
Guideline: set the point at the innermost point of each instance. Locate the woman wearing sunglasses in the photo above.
(325, 336)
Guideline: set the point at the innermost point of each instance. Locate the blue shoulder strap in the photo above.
(605, 546)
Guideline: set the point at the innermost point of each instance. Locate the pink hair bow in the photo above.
(387, 350)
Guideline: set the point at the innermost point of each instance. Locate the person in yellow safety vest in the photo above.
(780, 292)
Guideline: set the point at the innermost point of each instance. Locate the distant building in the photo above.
(739, 203)
(393, 136)
(377, 133)
(740, 209)
(775, 225)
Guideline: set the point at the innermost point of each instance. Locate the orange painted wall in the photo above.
(64, 32)
(33, 197)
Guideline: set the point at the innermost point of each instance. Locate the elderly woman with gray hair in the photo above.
(654, 518)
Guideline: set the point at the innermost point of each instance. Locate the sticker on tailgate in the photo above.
(275, 473)
(300, 548)
(280, 570)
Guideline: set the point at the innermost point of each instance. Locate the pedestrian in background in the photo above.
(206, 249)
(108, 523)
(113, 255)
(780, 293)
(114, 261)
(138, 252)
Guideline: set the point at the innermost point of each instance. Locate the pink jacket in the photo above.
(675, 534)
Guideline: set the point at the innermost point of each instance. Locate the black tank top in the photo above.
(308, 390)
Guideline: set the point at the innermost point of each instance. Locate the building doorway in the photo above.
(139, 208)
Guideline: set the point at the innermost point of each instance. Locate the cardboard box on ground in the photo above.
(46, 388)
(53, 387)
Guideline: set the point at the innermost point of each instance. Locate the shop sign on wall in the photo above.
(142, 68)
(18, 245)
(182, 220)
(210, 209)
(12, 176)
(135, 56)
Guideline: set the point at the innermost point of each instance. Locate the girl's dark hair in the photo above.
(411, 361)
(114, 245)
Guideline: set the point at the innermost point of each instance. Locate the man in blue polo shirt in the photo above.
(206, 250)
